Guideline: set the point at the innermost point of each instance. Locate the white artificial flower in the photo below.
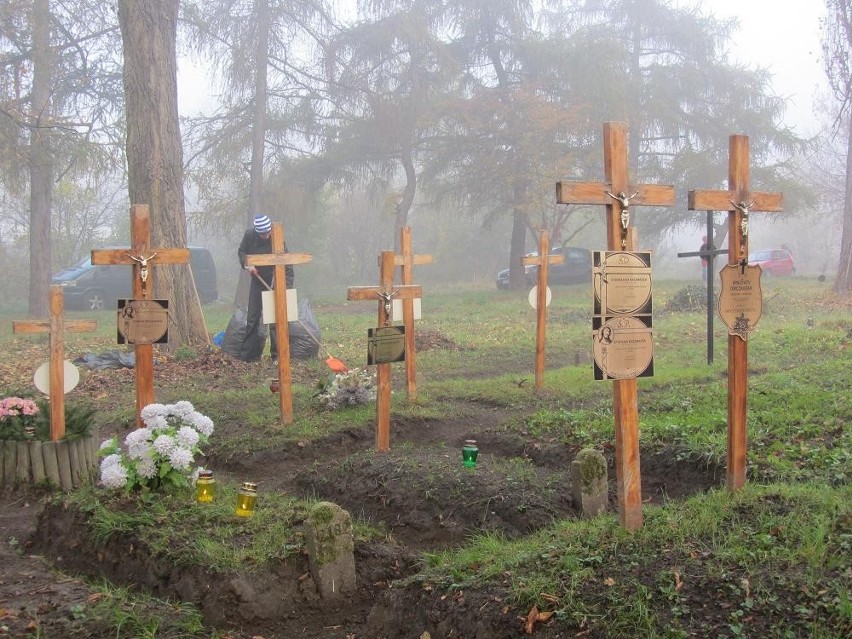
(146, 468)
(140, 450)
(183, 409)
(180, 458)
(151, 410)
(164, 444)
(203, 424)
(138, 436)
(108, 443)
(187, 436)
(114, 476)
(110, 460)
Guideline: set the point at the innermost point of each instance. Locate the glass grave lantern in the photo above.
(469, 453)
(246, 499)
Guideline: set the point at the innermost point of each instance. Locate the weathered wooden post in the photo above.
(740, 304)
(617, 194)
(56, 328)
(407, 260)
(384, 293)
(141, 257)
(280, 258)
(543, 260)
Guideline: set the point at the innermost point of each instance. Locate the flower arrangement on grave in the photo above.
(350, 388)
(23, 418)
(18, 417)
(161, 454)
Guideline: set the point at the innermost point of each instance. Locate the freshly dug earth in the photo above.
(418, 492)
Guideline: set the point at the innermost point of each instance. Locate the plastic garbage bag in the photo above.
(305, 334)
(110, 359)
(234, 343)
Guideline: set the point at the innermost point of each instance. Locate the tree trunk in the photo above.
(843, 281)
(155, 155)
(517, 247)
(258, 137)
(40, 161)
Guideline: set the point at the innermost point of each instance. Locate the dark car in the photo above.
(90, 287)
(576, 268)
(773, 261)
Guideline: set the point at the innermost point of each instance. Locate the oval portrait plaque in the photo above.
(623, 349)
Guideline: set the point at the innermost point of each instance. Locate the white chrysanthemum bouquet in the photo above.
(159, 455)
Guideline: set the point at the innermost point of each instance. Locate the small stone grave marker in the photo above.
(589, 482)
(331, 548)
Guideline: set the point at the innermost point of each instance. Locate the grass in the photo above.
(745, 546)
(786, 537)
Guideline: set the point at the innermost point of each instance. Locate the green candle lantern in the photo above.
(246, 499)
(469, 453)
(204, 487)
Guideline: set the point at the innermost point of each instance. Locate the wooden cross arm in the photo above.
(122, 256)
(278, 259)
(43, 326)
(710, 200)
(596, 193)
(399, 260)
(535, 260)
(371, 293)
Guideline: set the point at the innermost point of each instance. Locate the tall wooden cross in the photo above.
(407, 260)
(384, 293)
(280, 258)
(618, 194)
(544, 259)
(141, 257)
(739, 201)
(56, 328)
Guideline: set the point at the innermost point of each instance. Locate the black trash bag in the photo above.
(305, 334)
(234, 344)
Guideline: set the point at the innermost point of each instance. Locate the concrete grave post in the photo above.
(589, 482)
(331, 548)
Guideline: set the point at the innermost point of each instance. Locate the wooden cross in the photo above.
(56, 328)
(384, 293)
(617, 194)
(279, 258)
(739, 202)
(407, 261)
(543, 261)
(141, 257)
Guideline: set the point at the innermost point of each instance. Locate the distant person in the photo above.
(705, 260)
(257, 240)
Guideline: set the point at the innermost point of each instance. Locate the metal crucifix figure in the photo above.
(743, 208)
(624, 200)
(387, 297)
(143, 263)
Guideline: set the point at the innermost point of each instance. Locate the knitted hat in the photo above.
(262, 223)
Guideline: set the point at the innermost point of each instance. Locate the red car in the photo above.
(773, 261)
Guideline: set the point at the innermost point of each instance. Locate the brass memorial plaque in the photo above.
(385, 345)
(143, 321)
(740, 299)
(622, 283)
(623, 347)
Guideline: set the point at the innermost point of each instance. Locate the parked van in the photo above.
(93, 288)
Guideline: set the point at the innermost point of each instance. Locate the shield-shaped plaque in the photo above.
(740, 299)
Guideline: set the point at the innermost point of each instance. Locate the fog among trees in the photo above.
(454, 118)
